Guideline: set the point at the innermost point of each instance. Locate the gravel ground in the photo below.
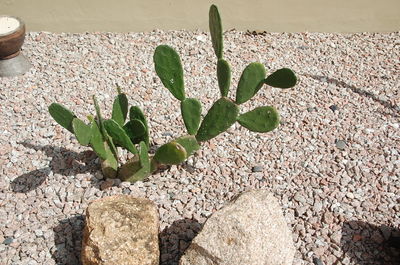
(334, 162)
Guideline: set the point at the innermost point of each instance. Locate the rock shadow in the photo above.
(68, 241)
(176, 238)
(367, 244)
(394, 109)
(64, 162)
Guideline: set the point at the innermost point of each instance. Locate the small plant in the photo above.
(128, 127)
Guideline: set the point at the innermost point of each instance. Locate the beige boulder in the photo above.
(250, 230)
(121, 230)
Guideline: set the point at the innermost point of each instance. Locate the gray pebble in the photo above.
(311, 109)
(317, 261)
(257, 169)
(8, 241)
(167, 134)
(340, 144)
(334, 108)
(317, 206)
(299, 197)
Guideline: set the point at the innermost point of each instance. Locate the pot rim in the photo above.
(20, 27)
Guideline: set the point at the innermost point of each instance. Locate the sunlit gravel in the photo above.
(333, 163)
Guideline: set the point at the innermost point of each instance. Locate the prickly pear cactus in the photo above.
(171, 153)
(62, 116)
(282, 78)
(120, 108)
(250, 82)
(219, 118)
(97, 141)
(224, 77)
(82, 131)
(128, 127)
(216, 31)
(169, 69)
(137, 168)
(139, 128)
(261, 119)
(190, 144)
(119, 135)
(191, 114)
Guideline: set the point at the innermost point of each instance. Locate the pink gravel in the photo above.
(334, 162)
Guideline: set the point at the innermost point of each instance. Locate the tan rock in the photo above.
(121, 230)
(250, 230)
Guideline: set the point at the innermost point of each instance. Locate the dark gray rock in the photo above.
(8, 241)
(334, 108)
(340, 144)
(257, 169)
(317, 261)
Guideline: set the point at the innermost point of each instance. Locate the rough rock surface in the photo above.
(121, 230)
(249, 230)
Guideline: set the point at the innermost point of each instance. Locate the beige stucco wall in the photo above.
(146, 15)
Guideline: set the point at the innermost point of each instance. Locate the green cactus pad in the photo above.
(127, 172)
(119, 135)
(62, 116)
(144, 156)
(250, 82)
(170, 153)
(191, 114)
(99, 118)
(136, 131)
(224, 77)
(133, 170)
(144, 159)
(113, 148)
(97, 142)
(82, 131)
(261, 119)
(282, 78)
(219, 118)
(190, 144)
(135, 113)
(120, 109)
(109, 166)
(169, 69)
(216, 31)
(137, 168)
(154, 165)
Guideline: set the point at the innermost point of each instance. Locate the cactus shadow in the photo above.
(176, 238)
(63, 161)
(394, 110)
(68, 241)
(364, 243)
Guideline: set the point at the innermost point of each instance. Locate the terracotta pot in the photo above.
(11, 41)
